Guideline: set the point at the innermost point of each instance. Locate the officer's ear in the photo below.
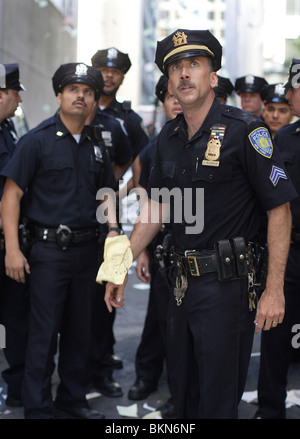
(58, 98)
(213, 79)
(170, 90)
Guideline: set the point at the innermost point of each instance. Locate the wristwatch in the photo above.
(116, 229)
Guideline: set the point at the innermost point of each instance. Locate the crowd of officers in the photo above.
(52, 243)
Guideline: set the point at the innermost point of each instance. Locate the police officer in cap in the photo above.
(277, 347)
(277, 111)
(13, 296)
(61, 168)
(248, 88)
(224, 89)
(229, 155)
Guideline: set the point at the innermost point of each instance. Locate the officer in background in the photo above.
(216, 149)
(248, 88)
(114, 65)
(61, 168)
(151, 352)
(277, 111)
(13, 296)
(276, 346)
(223, 90)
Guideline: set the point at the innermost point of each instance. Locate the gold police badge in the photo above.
(179, 38)
(212, 153)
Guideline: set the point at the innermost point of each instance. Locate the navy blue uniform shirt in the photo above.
(250, 171)
(60, 176)
(7, 147)
(288, 141)
(133, 124)
(147, 157)
(115, 138)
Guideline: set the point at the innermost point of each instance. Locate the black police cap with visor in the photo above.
(224, 87)
(249, 84)
(293, 80)
(273, 93)
(161, 88)
(9, 77)
(78, 73)
(186, 43)
(112, 57)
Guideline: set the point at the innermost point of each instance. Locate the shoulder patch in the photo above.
(261, 141)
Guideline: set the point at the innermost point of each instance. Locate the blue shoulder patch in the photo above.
(261, 141)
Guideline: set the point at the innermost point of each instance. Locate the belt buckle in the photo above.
(192, 261)
(63, 236)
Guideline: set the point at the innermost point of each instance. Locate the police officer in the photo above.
(248, 88)
(276, 346)
(103, 359)
(114, 65)
(229, 155)
(277, 111)
(13, 296)
(151, 352)
(61, 168)
(224, 89)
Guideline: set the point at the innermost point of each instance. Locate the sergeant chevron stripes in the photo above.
(276, 174)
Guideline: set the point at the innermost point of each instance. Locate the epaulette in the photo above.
(126, 105)
(237, 113)
(46, 123)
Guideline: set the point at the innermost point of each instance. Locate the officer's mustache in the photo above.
(185, 83)
(79, 100)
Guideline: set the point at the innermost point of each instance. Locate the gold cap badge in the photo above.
(179, 39)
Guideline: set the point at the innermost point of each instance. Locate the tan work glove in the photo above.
(117, 260)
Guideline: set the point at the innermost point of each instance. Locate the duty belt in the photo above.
(64, 236)
(197, 264)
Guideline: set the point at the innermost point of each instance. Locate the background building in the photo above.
(39, 35)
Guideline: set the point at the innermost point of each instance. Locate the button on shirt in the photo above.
(60, 176)
(232, 190)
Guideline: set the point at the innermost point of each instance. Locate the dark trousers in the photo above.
(151, 352)
(14, 309)
(60, 303)
(276, 347)
(210, 339)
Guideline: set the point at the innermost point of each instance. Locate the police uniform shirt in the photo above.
(115, 138)
(147, 157)
(61, 176)
(7, 147)
(288, 141)
(248, 169)
(132, 123)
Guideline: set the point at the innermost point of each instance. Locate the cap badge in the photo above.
(179, 39)
(249, 80)
(112, 53)
(279, 90)
(81, 70)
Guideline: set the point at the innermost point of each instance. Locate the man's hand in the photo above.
(16, 265)
(114, 295)
(142, 267)
(270, 310)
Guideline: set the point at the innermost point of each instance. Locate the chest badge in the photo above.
(213, 151)
(98, 154)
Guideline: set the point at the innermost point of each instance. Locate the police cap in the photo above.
(273, 93)
(186, 43)
(249, 84)
(293, 80)
(112, 57)
(9, 77)
(224, 88)
(78, 72)
(161, 88)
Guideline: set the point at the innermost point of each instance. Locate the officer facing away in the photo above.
(61, 168)
(229, 155)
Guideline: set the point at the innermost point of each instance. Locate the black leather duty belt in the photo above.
(64, 236)
(197, 264)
